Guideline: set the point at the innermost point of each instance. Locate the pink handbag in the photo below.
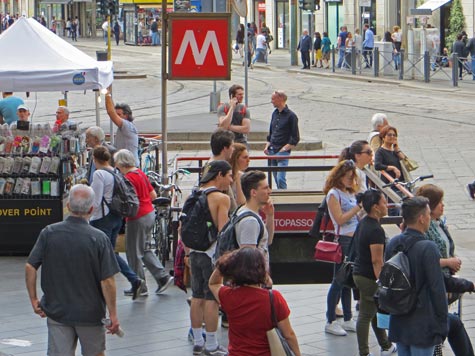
(328, 251)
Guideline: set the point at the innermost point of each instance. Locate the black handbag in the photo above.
(344, 276)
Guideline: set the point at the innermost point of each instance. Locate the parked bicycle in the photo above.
(149, 147)
(165, 206)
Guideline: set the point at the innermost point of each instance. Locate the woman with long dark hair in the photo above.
(362, 154)
(369, 240)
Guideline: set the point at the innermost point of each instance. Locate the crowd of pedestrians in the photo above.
(239, 283)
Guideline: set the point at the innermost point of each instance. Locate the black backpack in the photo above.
(198, 231)
(124, 201)
(322, 227)
(396, 293)
(227, 240)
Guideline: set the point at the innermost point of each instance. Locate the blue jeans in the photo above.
(279, 177)
(336, 291)
(411, 350)
(261, 55)
(473, 69)
(155, 39)
(341, 56)
(110, 225)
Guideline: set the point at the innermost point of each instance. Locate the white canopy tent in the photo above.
(35, 59)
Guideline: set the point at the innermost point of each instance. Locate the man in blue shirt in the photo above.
(283, 135)
(368, 46)
(8, 108)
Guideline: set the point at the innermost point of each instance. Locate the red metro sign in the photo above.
(200, 46)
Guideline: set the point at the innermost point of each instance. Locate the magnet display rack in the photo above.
(37, 169)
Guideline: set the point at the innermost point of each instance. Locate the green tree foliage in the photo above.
(456, 23)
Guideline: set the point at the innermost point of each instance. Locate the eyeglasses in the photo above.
(391, 135)
(368, 152)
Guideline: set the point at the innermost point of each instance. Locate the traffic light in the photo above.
(101, 7)
(113, 7)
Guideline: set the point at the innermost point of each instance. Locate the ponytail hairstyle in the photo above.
(352, 150)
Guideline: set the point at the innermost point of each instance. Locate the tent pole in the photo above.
(98, 116)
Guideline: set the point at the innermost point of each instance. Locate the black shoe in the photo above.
(137, 287)
(470, 191)
(143, 292)
(304, 68)
(164, 284)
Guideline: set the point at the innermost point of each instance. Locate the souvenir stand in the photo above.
(40, 163)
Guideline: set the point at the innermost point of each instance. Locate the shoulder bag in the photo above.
(329, 251)
(277, 342)
(410, 164)
(344, 276)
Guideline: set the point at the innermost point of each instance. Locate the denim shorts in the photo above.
(201, 269)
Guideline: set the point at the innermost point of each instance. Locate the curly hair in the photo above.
(246, 265)
(335, 178)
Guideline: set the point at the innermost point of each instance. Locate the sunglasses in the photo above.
(349, 163)
(368, 152)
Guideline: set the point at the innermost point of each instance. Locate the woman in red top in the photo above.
(247, 305)
(139, 228)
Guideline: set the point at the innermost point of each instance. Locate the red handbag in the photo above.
(328, 251)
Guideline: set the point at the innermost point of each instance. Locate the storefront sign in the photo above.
(200, 47)
(287, 221)
(30, 211)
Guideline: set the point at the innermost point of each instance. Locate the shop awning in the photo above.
(428, 7)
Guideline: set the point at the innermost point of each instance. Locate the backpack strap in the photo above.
(246, 214)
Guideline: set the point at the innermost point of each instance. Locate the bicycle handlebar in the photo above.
(405, 184)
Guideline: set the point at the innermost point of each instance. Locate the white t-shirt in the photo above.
(347, 202)
(103, 185)
(361, 180)
(247, 233)
(261, 41)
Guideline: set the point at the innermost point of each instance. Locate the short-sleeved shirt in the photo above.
(103, 186)
(8, 108)
(127, 137)
(369, 232)
(249, 315)
(247, 232)
(74, 259)
(347, 202)
(143, 188)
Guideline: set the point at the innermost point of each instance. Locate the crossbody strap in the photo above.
(272, 309)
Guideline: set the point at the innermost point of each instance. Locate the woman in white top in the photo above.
(396, 36)
(340, 188)
(103, 219)
(362, 154)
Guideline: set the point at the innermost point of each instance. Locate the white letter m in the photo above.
(199, 56)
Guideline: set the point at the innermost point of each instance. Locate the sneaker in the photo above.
(470, 191)
(335, 329)
(143, 291)
(349, 325)
(390, 351)
(219, 351)
(164, 284)
(137, 288)
(198, 350)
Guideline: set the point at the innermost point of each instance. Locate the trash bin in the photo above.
(101, 55)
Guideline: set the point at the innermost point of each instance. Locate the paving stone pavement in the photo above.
(158, 325)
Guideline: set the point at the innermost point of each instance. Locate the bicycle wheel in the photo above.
(163, 248)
